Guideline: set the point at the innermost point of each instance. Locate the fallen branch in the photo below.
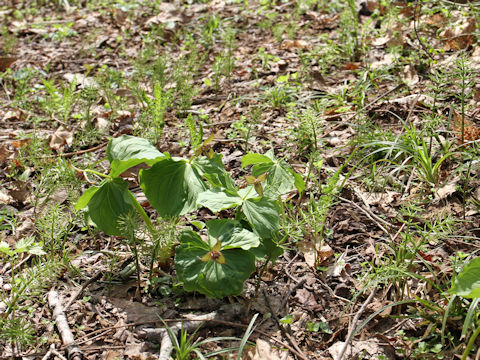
(74, 353)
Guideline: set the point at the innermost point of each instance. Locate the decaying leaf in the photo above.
(60, 139)
(6, 62)
(372, 347)
(459, 35)
(262, 351)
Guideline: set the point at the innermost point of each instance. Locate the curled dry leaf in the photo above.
(372, 347)
(447, 189)
(315, 255)
(61, 138)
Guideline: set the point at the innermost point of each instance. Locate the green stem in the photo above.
(143, 214)
(470, 344)
(95, 172)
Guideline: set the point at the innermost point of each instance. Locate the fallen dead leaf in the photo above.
(81, 80)
(459, 36)
(5, 62)
(371, 347)
(308, 250)
(61, 138)
(410, 75)
(447, 189)
(5, 198)
(294, 44)
(263, 351)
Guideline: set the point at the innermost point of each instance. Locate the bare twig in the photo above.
(375, 218)
(353, 325)
(289, 292)
(73, 351)
(79, 152)
(97, 276)
(424, 48)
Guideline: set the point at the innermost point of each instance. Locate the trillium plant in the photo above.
(217, 258)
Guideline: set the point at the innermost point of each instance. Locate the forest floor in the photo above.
(374, 104)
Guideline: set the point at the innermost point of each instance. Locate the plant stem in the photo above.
(471, 342)
(143, 214)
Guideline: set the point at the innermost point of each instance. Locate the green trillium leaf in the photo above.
(172, 186)
(206, 165)
(220, 267)
(218, 199)
(127, 151)
(254, 158)
(231, 234)
(467, 283)
(106, 204)
(264, 215)
(280, 177)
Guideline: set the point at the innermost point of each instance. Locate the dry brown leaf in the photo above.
(471, 132)
(61, 138)
(325, 253)
(81, 80)
(371, 349)
(410, 75)
(263, 351)
(5, 62)
(168, 14)
(294, 44)
(447, 189)
(308, 250)
(20, 192)
(460, 35)
(5, 198)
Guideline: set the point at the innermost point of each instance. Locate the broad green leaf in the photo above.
(220, 180)
(127, 151)
(204, 165)
(36, 249)
(263, 214)
(231, 234)
(254, 158)
(211, 277)
(86, 196)
(280, 177)
(467, 283)
(268, 248)
(107, 204)
(172, 187)
(218, 199)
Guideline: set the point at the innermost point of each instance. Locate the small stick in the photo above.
(79, 152)
(74, 353)
(289, 292)
(97, 276)
(351, 332)
(376, 219)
